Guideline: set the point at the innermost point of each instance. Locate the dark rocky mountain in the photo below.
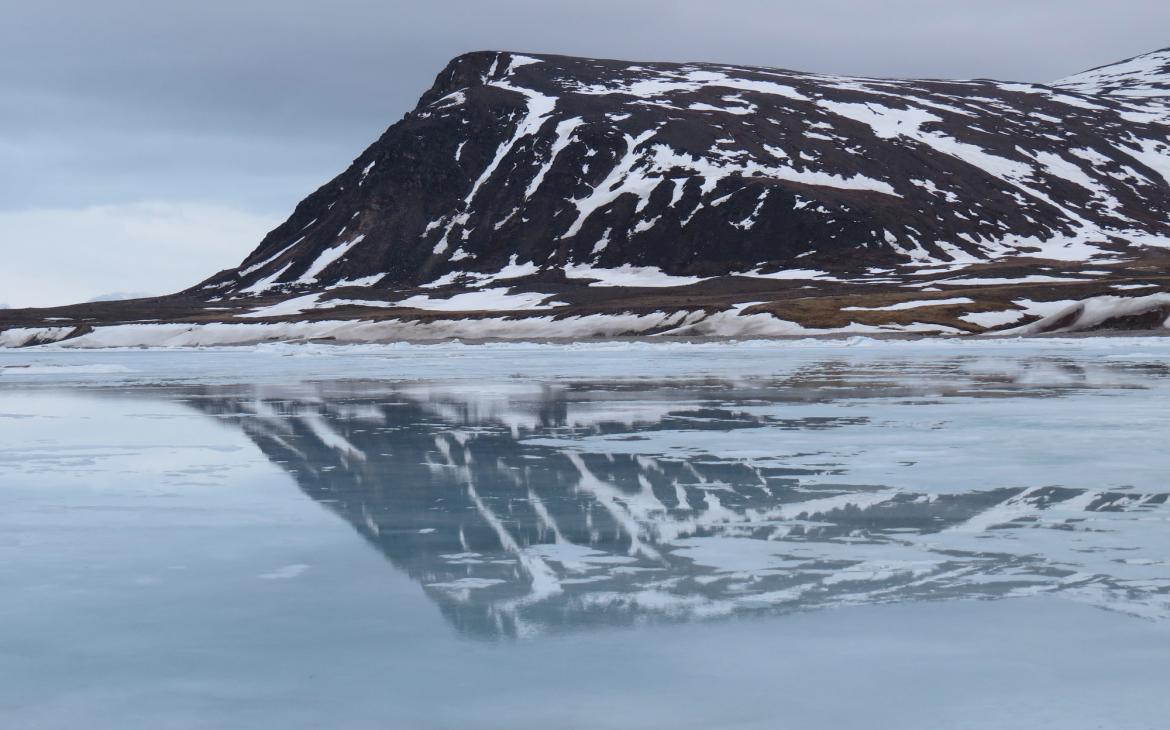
(709, 170)
(532, 195)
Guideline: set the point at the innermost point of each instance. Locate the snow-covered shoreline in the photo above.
(191, 339)
(39, 360)
(655, 326)
(1077, 319)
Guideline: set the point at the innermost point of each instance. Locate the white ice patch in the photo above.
(266, 283)
(361, 281)
(327, 257)
(366, 173)
(1129, 287)
(23, 336)
(740, 108)
(1043, 309)
(487, 300)
(285, 572)
(885, 122)
(307, 303)
(911, 305)
(790, 274)
(856, 181)
(512, 270)
(993, 319)
(455, 98)
(1095, 312)
(690, 81)
(256, 267)
(296, 305)
(627, 275)
(993, 281)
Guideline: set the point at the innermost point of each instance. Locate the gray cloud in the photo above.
(65, 255)
(254, 102)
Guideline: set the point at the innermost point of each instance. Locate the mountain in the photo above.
(540, 195)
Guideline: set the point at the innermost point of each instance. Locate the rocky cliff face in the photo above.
(707, 170)
(699, 199)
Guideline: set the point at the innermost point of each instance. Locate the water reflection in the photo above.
(525, 508)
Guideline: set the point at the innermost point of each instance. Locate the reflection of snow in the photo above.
(285, 572)
(549, 506)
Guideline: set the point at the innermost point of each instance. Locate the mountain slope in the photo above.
(1141, 77)
(568, 187)
(701, 169)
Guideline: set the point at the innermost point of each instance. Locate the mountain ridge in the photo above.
(472, 66)
(557, 187)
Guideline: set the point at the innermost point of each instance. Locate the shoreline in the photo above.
(843, 339)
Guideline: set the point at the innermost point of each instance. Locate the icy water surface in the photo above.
(835, 535)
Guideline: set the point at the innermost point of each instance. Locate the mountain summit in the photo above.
(541, 195)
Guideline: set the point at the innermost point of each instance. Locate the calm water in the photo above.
(913, 535)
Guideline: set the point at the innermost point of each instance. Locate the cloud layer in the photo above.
(68, 255)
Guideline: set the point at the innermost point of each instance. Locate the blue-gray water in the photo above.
(710, 536)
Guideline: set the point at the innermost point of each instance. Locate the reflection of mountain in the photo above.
(511, 537)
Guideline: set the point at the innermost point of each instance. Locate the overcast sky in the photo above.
(145, 144)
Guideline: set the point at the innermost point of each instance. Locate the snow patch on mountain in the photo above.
(1142, 77)
(627, 275)
(917, 304)
(496, 299)
(327, 258)
(1095, 312)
